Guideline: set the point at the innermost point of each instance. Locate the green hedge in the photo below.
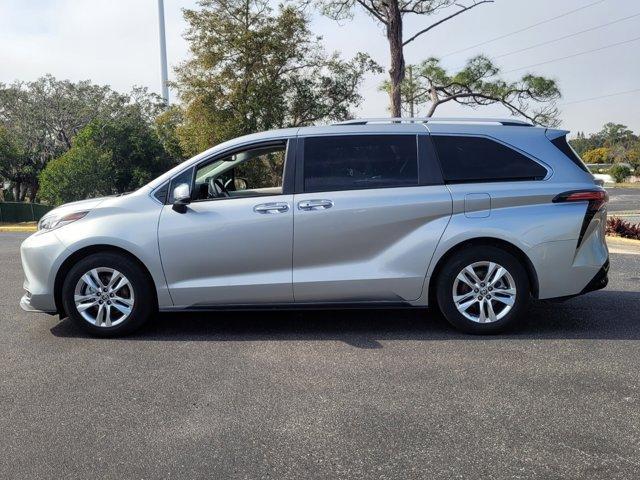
(15, 212)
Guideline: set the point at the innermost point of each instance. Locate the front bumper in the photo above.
(25, 304)
(41, 254)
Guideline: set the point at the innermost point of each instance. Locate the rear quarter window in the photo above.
(562, 145)
(467, 159)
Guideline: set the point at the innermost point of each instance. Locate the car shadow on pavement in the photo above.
(607, 315)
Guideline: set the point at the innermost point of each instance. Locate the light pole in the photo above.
(163, 54)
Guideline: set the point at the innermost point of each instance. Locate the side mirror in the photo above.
(181, 197)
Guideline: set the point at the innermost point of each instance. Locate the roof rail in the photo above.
(502, 121)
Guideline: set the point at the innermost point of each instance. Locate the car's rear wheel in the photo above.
(107, 294)
(483, 289)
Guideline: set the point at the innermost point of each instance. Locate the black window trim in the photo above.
(288, 174)
(424, 152)
(501, 142)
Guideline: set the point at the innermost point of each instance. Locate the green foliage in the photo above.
(255, 69)
(616, 134)
(166, 127)
(620, 172)
(598, 155)
(107, 156)
(614, 143)
(84, 171)
(478, 84)
(43, 117)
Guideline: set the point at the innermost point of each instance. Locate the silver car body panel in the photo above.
(231, 255)
(377, 245)
(371, 245)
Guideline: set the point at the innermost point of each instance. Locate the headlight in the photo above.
(51, 222)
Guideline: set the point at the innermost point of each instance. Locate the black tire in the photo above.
(454, 265)
(143, 306)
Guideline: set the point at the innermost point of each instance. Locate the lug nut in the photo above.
(112, 295)
(100, 302)
(108, 302)
(479, 297)
(482, 284)
(490, 289)
(476, 290)
(488, 296)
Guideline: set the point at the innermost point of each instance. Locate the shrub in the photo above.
(619, 228)
(598, 155)
(619, 172)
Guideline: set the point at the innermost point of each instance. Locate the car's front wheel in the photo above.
(107, 294)
(483, 289)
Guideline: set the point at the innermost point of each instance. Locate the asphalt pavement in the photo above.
(623, 199)
(328, 394)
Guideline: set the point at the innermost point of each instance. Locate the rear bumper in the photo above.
(599, 281)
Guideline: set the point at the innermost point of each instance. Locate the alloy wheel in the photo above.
(104, 297)
(484, 292)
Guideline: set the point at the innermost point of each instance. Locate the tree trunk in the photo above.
(33, 191)
(396, 73)
(23, 192)
(411, 97)
(435, 101)
(17, 187)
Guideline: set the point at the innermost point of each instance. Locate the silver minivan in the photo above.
(474, 216)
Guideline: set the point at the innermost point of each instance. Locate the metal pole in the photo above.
(163, 54)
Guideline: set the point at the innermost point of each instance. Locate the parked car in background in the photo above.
(473, 216)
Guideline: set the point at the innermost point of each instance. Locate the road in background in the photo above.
(340, 394)
(624, 199)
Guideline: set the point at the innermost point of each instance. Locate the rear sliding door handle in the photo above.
(315, 204)
(274, 207)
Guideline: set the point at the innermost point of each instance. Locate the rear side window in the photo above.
(562, 145)
(478, 159)
(353, 162)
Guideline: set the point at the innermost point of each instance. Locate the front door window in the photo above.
(250, 173)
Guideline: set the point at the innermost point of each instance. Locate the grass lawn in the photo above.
(19, 227)
(622, 185)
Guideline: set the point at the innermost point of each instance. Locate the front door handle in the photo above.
(273, 207)
(315, 204)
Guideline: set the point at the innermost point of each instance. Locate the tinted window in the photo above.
(356, 162)
(476, 159)
(161, 193)
(562, 145)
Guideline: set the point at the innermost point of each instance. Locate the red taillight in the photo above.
(596, 198)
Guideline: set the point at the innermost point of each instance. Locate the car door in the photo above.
(233, 248)
(368, 218)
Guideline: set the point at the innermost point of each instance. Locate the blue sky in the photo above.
(115, 42)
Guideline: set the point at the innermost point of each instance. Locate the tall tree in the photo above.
(120, 153)
(391, 13)
(253, 68)
(478, 84)
(12, 164)
(43, 117)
